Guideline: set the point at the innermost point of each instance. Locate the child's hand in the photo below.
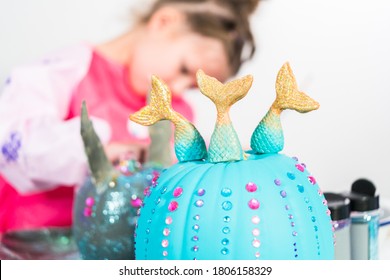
(116, 151)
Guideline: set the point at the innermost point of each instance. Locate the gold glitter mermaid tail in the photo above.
(224, 142)
(189, 144)
(100, 167)
(268, 135)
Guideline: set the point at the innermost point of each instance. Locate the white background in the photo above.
(339, 52)
(281, 269)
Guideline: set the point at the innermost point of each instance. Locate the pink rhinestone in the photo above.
(325, 202)
(251, 187)
(173, 205)
(312, 180)
(177, 192)
(256, 243)
(253, 204)
(147, 192)
(255, 232)
(320, 192)
(90, 201)
(164, 243)
(328, 212)
(300, 167)
(165, 253)
(166, 231)
(168, 220)
(155, 178)
(87, 212)
(255, 220)
(257, 255)
(136, 203)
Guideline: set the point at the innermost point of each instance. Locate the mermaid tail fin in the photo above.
(100, 167)
(287, 94)
(189, 144)
(268, 136)
(159, 108)
(224, 142)
(223, 96)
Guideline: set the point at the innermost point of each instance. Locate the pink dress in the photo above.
(42, 156)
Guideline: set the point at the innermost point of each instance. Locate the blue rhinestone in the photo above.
(291, 175)
(225, 251)
(163, 190)
(226, 230)
(225, 241)
(227, 205)
(301, 189)
(226, 192)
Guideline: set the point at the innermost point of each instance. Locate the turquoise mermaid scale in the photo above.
(189, 144)
(268, 137)
(225, 136)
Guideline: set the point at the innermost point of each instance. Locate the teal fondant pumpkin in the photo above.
(266, 207)
(228, 204)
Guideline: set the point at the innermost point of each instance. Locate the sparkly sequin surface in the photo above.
(104, 222)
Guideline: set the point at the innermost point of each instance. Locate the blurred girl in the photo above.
(42, 154)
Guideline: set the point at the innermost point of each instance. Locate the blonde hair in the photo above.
(225, 20)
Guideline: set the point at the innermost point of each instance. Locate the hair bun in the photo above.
(243, 7)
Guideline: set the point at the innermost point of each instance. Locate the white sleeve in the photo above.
(39, 150)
